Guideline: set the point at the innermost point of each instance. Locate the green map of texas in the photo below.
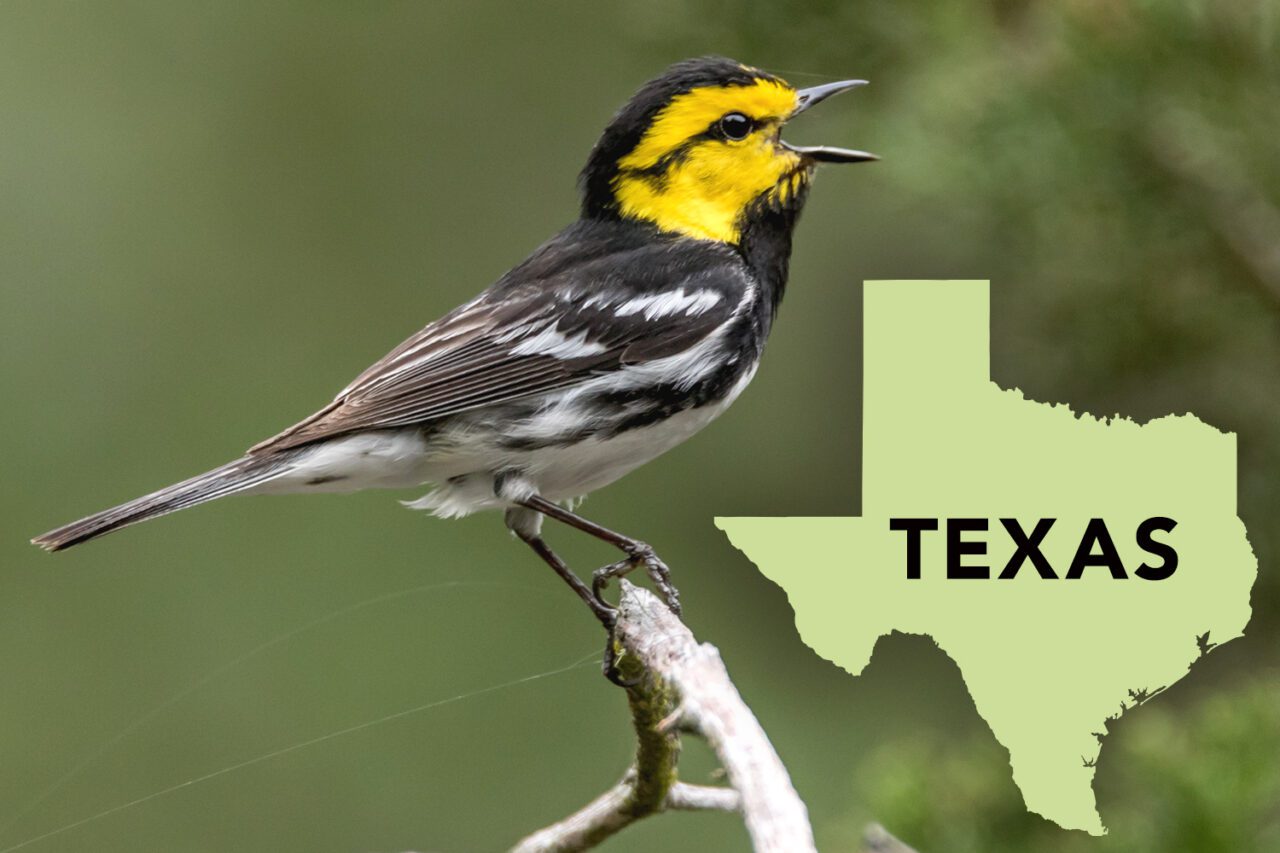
(1091, 561)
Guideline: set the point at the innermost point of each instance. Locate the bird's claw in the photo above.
(638, 554)
(604, 611)
(660, 574)
(600, 578)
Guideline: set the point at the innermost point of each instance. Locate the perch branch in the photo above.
(677, 685)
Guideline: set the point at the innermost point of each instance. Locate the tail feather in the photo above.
(237, 476)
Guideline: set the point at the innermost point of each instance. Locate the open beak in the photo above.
(806, 98)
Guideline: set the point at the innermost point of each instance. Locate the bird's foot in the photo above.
(604, 611)
(660, 573)
(600, 579)
(638, 554)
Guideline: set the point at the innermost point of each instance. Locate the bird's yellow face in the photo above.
(707, 155)
(697, 152)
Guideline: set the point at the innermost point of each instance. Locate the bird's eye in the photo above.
(736, 126)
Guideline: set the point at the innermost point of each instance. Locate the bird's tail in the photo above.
(238, 476)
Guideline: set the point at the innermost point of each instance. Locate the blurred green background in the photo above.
(213, 215)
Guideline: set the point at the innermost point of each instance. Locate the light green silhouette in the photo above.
(1046, 661)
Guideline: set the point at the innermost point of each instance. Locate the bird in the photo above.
(613, 342)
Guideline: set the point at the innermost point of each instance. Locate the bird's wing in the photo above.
(519, 342)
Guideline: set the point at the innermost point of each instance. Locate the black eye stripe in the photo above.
(734, 126)
(656, 173)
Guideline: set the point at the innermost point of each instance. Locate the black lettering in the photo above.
(1158, 549)
(957, 548)
(913, 526)
(1096, 533)
(1028, 548)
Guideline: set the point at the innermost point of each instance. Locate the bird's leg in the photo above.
(607, 615)
(638, 553)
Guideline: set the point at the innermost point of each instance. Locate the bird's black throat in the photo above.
(765, 242)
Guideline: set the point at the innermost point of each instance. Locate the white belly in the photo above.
(573, 470)
(463, 467)
(385, 459)
(562, 471)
